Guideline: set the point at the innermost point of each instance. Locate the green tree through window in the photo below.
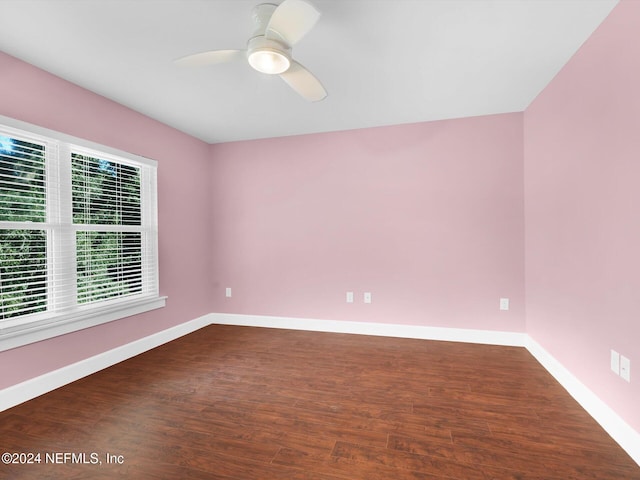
(23, 272)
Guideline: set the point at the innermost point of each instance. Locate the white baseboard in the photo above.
(24, 391)
(615, 426)
(608, 419)
(377, 329)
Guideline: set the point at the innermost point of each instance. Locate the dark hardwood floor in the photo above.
(248, 403)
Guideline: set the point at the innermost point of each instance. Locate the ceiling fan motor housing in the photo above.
(261, 14)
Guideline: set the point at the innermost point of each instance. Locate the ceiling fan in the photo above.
(277, 29)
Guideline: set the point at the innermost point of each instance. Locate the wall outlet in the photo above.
(625, 368)
(227, 292)
(367, 297)
(504, 304)
(349, 297)
(615, 362)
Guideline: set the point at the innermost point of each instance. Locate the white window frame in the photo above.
(22, 330)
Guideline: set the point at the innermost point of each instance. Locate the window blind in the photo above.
(22, 180)
(107, 193)
(23, 265)
(109, 264)
(23, 272)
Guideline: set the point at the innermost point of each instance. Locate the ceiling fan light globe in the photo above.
(269, 61)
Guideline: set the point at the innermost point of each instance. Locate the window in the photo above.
(78, 234)
(108, 263)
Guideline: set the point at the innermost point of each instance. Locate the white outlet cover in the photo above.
(625, 368)
(227, 292)
(504, 304)
(367, 297)
(349, 297)
(615, 362)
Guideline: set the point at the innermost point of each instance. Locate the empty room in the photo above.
(319, 240)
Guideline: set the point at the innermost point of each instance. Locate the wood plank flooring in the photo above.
(247, 403)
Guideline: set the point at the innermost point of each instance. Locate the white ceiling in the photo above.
(383, 62)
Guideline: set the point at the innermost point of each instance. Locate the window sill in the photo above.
(43, 328)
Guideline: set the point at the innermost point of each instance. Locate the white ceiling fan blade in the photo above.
(205, 59)
(304, 82)
(291, 21)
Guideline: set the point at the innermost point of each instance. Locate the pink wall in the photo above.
(428, 217)
(31, 95)
(582, 192)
